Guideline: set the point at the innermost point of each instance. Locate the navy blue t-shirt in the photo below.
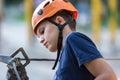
(78, 50)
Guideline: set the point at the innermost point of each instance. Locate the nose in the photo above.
(41, 39)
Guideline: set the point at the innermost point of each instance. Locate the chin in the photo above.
(52, 50)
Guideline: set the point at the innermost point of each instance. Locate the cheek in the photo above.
(52, 43)
(52, 39)
(51, 34)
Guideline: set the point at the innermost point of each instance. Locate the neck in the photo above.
(66, 31)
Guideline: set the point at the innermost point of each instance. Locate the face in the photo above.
(47, 33)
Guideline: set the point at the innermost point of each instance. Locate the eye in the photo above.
(42, 32)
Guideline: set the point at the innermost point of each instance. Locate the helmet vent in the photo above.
(65, 0)
(46, 4)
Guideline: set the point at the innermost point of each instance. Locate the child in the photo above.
(54, 24)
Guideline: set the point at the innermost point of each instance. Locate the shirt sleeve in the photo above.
(83, 48)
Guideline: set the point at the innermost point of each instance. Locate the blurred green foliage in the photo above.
(12, 2)
(105, 16)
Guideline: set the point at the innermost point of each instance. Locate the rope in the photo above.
(45, 59)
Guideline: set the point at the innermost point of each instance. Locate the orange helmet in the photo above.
(50, 7)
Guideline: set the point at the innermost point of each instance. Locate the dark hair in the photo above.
(67, 16)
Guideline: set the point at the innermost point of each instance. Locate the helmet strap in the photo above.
(60, 39)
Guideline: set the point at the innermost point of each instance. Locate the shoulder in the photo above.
(80, 38)
(78, 35)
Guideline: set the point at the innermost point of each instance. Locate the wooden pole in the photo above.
(96, 7)
(1, 17)
(113, 19)
(29, 6)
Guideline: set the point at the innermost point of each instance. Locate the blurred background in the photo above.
(98, 19)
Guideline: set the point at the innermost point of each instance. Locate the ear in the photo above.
(59, 20)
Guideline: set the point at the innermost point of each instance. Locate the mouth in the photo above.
(45, 44)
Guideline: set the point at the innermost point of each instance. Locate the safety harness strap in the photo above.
(60, 38)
